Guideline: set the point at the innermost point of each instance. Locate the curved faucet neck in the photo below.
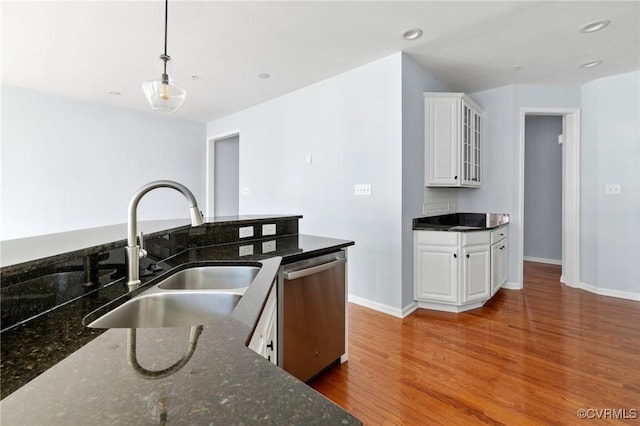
(133, 251)
(196, 219)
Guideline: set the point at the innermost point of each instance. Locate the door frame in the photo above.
(209, 169)
(570, 191)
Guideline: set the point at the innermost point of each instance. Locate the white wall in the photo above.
(611, 154)
(500, 188)
(351, 125)
(415, 81)
(69, 164)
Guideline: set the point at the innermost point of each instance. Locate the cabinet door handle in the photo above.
(455, 178)
(270, 345)
(455, 256)
(467, 255)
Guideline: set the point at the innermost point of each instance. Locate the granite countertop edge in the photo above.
(462, 222)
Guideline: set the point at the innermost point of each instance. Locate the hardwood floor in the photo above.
(534, 356)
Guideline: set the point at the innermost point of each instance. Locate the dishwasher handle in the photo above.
(292, 275)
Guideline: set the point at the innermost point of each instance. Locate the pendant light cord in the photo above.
(166, 15)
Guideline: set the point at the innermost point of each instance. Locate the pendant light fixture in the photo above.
(163, 95)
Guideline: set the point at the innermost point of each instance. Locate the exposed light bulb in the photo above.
(165, 92)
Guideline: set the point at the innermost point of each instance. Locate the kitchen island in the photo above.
(223, 383)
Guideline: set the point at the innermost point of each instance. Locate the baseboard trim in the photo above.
(628, 295)
(543, 260)
(512, 286)
(409, 309)
(385, 309)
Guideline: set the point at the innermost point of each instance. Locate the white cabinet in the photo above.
(435, 269)
(458, 271)
(453, 140)
(476, 265)
(499, 251)
(264, 339)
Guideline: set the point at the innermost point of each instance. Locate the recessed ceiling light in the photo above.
(591, 64)
(517, 67)
(264, 75)
(114, 93)
(412, 34)
(594, 26)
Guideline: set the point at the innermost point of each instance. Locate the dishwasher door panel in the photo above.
(313, 321)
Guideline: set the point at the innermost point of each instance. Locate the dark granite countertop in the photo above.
(223, 383)
(461, 222)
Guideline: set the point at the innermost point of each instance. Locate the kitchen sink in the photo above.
(170, 309)
(193, 296)
(219, 277)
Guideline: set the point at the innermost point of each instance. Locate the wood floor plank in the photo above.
(529, 357)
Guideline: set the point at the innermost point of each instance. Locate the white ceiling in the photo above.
(86, 49)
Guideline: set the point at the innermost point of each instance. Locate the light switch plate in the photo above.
(362, 189)
(269, 229)
(612, 189)
(245, 232)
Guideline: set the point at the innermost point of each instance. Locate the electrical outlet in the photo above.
(269, 229)
(245, 232)
(612, 189)
(362, 189)
(245, 250)
(269, 246)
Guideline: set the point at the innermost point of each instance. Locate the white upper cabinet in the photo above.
(453, 140)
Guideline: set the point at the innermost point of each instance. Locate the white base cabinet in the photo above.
(457, 271)
(265, 337)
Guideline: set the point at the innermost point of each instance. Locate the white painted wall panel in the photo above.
(615, 104)
(351, 124)
(69, 164)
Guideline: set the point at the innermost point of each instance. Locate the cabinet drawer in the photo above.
(498, 234)
(475, 237)
(436, 238)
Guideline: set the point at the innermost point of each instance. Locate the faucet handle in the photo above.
(142, 253)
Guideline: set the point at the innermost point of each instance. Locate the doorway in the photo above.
(570, 190)
(223, 175)
(543, 189)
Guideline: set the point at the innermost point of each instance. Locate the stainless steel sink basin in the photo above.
(217, 277)
(170, 309)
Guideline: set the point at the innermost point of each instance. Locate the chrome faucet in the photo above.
(134, 251)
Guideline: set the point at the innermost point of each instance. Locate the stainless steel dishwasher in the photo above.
(311, 314)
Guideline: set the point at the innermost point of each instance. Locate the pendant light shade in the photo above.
(163, 95)
(167, 98)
